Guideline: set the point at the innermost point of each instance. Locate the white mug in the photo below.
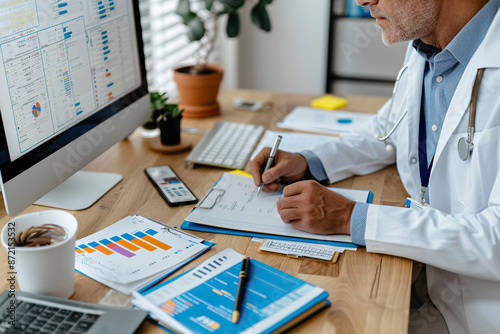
(49, 270)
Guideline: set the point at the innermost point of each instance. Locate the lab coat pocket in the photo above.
(477, 174)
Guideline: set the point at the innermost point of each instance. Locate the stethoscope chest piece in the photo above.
(464, 148)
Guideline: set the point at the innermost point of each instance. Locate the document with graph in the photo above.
(233, 203)
(135, 252)
(201, 301)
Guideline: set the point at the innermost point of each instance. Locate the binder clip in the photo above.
(211, 197)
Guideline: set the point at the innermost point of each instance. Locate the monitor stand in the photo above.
(80, 191)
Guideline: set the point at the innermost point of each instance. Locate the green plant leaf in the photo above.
(266, 2)
(184, 11)
(260, 17)
(233, 24)
(209, 4)
(233, 4)
(196, 29)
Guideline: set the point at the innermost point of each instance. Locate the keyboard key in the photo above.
(83, 325)
(91, 317)
(23, 307)
(36, 310)
(65, 326)
(58, 318)
(39, 323)
(49, 327)
(74, 316)
(63, 312)
(46, 315)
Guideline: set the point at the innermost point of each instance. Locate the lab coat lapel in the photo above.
(486, 56)
(413, 101)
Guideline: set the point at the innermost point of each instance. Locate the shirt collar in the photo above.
(465, 43)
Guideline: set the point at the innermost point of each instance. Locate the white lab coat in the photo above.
(459, 236)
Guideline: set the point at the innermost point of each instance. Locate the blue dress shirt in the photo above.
(443, 71)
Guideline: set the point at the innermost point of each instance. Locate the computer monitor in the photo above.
(72, 84)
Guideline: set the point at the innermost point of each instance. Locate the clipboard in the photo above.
(253, 209)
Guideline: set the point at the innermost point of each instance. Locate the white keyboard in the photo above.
(227, 144)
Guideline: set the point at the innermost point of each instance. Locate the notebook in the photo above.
(201, 301)
(233, 205)
(135, 253)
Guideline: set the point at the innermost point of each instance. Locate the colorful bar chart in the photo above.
(116, 248)
(148, 237)
(86, 248)
(100, 248)
(125, 244)
(138, 242)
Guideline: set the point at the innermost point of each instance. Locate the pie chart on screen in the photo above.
(37, 110)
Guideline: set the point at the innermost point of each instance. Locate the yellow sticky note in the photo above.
(328, 102)
(240, 172)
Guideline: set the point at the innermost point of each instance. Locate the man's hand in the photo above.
(288, 167)
(311, 207)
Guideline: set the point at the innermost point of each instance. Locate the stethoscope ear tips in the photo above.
(389, 148)
(377, 136)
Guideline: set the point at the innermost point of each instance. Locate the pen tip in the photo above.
(236, 316)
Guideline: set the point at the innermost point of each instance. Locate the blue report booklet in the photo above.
(202, 300)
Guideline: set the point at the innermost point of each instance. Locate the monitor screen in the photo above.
(72, 83)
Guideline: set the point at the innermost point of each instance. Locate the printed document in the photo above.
(324, 121)
(236, 205)
(134, 252)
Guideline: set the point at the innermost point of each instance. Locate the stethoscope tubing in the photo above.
(465, 145)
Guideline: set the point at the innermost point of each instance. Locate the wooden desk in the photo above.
(370, 293)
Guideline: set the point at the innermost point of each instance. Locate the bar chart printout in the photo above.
(132, 249)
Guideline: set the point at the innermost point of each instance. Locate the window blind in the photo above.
(166, 45)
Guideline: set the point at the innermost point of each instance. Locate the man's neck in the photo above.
(454, 15)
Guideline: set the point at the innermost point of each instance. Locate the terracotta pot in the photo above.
(170, 131)
(198, 92)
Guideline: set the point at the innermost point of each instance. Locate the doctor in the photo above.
(457, 234)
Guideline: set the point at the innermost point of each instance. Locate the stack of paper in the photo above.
(201, 301)
(323, 121)
(134, 253)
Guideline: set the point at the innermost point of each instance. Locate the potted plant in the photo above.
(167, 117)
(199, 84)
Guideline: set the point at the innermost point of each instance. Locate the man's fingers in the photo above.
(288, 203)
(294, 189)
(256, 165)
(290, 215)
(272, 187)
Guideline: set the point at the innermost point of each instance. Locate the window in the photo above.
(166, 45)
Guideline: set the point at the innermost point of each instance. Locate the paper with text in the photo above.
(241, 209)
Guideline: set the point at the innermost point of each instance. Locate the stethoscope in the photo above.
(465, 145)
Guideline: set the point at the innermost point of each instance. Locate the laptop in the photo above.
(24, 312)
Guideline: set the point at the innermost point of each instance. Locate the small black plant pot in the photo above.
(170, 131)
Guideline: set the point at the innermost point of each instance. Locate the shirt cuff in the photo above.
(315, 165)
(358, 223)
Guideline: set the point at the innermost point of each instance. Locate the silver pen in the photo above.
(270, 160)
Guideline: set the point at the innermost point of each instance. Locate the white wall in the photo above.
(291, 58)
